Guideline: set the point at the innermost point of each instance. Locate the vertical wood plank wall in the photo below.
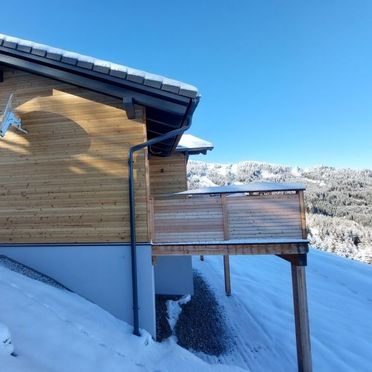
(66, 181)
(168, 174)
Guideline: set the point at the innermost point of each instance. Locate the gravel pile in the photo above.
(201, 325)
(27, 271)
(163, 330)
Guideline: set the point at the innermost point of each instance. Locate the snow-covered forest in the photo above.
(338, 201)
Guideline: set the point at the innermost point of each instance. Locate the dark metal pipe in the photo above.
(133, 243)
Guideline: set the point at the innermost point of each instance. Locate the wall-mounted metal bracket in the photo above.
(9, 118)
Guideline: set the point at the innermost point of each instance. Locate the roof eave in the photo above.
(59, 71)
(195, 151)
(167, 102)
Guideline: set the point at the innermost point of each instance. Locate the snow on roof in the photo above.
(193, 144)
(249, 187)
(104, 67)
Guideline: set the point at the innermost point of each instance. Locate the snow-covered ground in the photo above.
(53, 330)
(260, 312)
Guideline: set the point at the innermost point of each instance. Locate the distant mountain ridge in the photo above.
(338, 201)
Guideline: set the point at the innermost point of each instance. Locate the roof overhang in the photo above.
(192, 145)
(165, 110)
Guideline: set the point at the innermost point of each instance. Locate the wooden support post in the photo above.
(303, 214)
(301, 318)
(226, 258)
(150, 218)
(226, 269)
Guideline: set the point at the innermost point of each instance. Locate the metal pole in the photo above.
(226, 270)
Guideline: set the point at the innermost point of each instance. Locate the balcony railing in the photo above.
(247, 214)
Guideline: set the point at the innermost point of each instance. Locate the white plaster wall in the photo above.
(101, 274)
(173, 275)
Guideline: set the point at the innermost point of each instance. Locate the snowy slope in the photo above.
(54, 330)
(260, 312)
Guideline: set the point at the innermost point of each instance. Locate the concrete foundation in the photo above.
(100, 273)
(173, 275)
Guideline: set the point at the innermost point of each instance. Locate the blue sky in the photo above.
(281, 81)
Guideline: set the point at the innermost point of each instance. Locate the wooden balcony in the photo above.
(260, 218)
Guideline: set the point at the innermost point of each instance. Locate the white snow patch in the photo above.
(203, 181)
(174, 309)
(56, 330)
(234, 168)
(296, 172)
(317, 182)
(267, 174)
(188, 141)
(260, 312)
(6, 346)
(247, 187)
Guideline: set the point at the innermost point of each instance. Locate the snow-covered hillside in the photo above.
(260, 312)
(53, 330)
(338, 201)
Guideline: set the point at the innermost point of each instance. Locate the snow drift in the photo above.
(56, 330)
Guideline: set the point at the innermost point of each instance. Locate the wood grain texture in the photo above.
(168, 175)
(257, 216)
(303, 215)
(301, 315)
(159, 249)
(226, 234)
(184, 219)
(215, 218)
(66, 181)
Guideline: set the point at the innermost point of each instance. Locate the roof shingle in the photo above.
(104, 67)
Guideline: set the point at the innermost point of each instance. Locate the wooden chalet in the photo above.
(93, 187)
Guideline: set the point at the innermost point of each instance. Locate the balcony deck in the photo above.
(260, 218)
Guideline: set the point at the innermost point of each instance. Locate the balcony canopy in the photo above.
(193, 145)
(249, 187)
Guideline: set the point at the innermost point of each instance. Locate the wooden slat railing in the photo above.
(235, 224)
(235, 217)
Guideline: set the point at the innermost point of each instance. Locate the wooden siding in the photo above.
(263, 216)
(168, 174)
(66, 181)
(188, 219)
(235, 217)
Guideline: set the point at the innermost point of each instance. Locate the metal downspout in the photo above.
(133, 243)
